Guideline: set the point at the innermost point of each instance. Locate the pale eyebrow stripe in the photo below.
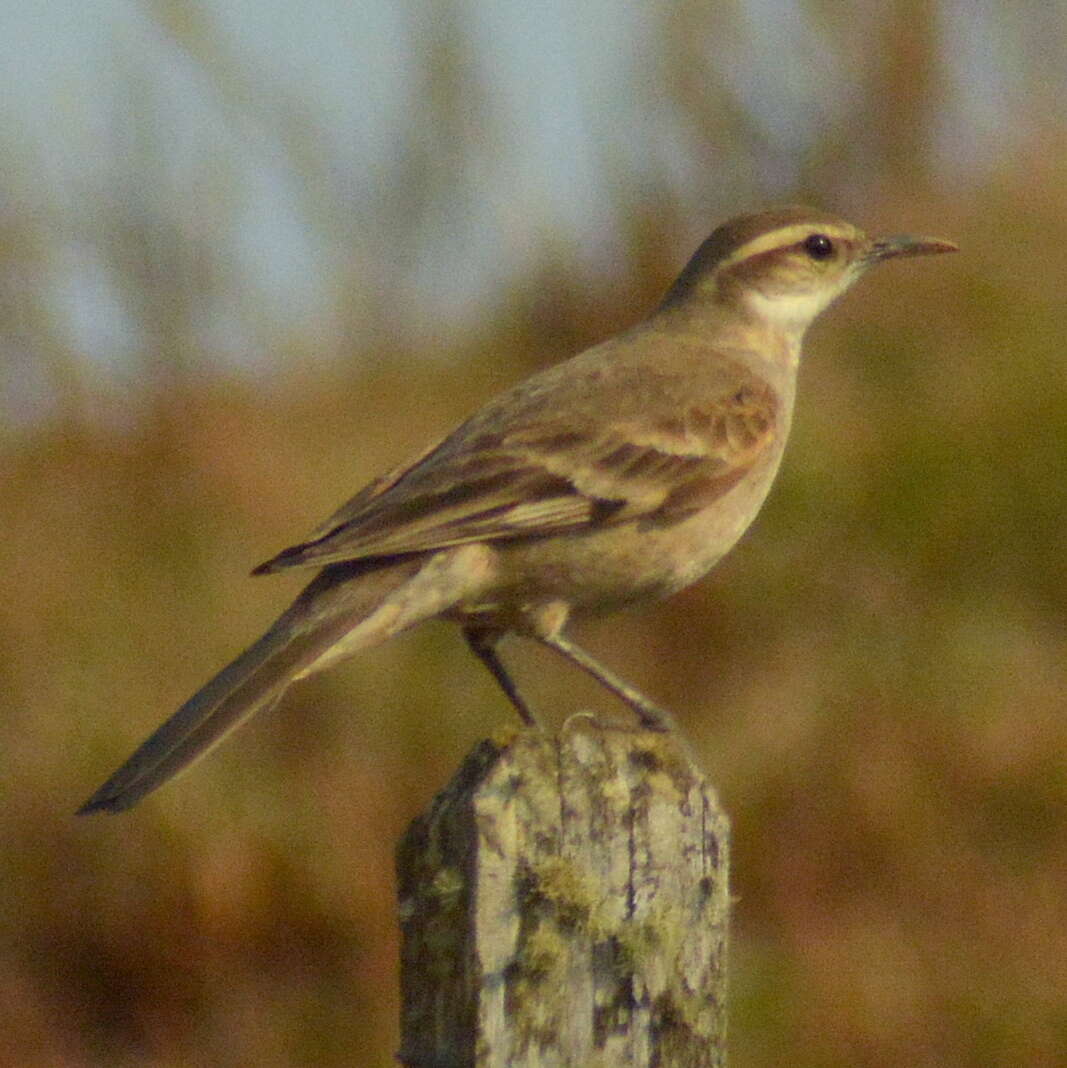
(780, 238)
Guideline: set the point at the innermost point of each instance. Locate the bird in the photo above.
(618, 476)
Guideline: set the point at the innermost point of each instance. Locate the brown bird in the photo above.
(621, 475)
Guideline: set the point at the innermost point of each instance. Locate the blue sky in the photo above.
(569, 87)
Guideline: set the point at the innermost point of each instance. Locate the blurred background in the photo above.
(251, 254)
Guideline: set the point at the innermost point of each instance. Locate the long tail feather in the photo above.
(328, 610)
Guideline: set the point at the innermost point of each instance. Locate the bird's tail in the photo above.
(345, 608)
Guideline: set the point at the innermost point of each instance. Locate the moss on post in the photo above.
(564, 903)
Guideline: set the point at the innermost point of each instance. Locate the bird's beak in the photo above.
(885, 248)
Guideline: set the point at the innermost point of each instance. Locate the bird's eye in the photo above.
(819, 247)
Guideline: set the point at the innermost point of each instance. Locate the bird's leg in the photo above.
(483, 645)
(650, 714)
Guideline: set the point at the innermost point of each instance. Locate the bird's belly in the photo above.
(610, 568)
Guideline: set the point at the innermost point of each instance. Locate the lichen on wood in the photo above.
(564, 902)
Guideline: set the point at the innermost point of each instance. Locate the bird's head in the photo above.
(783, 267)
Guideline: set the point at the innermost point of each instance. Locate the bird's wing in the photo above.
(541, 476)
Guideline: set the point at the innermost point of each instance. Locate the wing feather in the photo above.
(541, 478)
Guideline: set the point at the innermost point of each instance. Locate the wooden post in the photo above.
(564, 904)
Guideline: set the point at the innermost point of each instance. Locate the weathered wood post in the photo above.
(564, 902)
